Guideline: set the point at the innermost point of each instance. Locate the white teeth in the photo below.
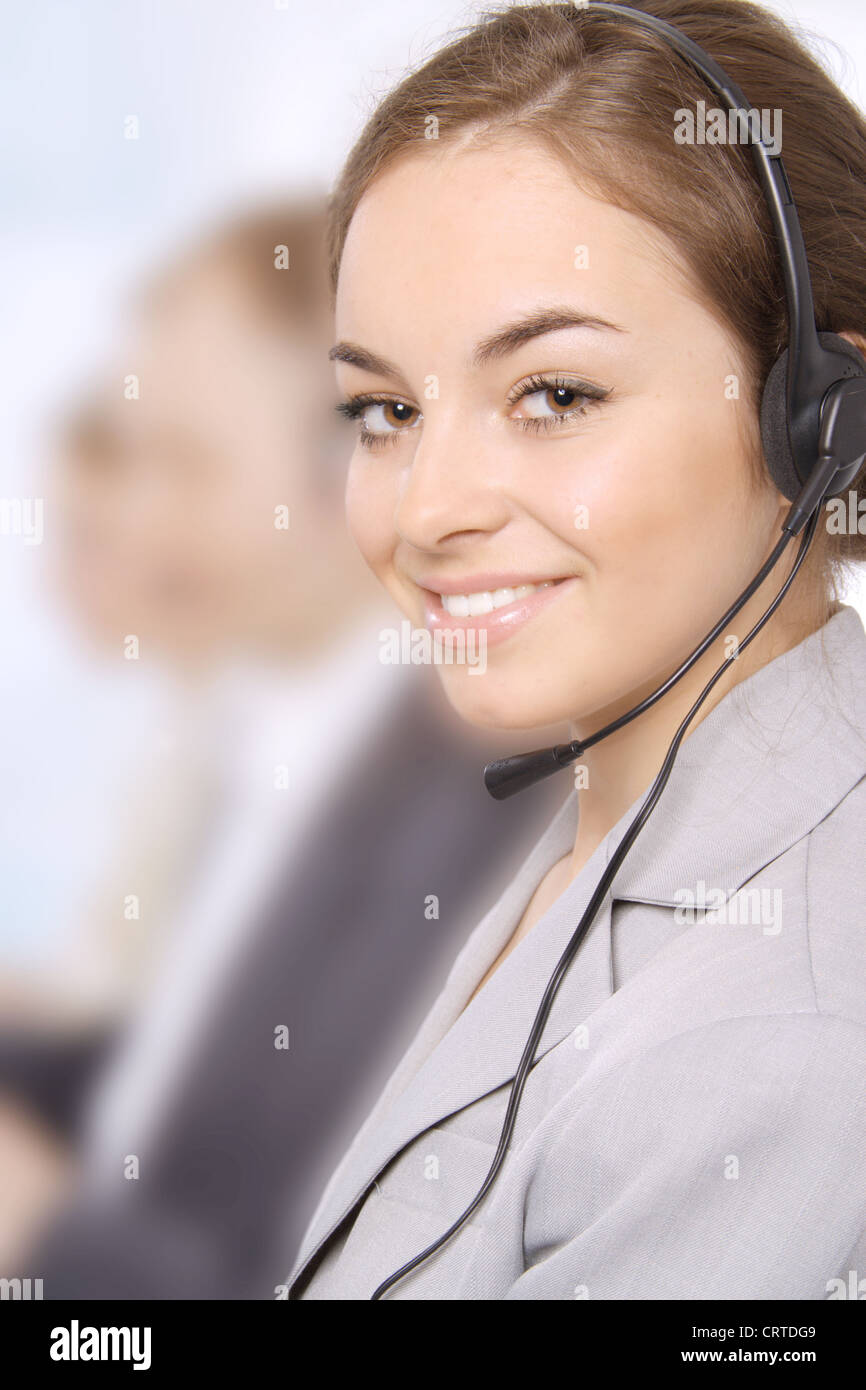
(475, 605)
(480, 603)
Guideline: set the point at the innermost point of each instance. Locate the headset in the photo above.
(813, 432)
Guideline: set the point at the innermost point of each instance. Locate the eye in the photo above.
(382, 419)
(548, 402)
(555, 400)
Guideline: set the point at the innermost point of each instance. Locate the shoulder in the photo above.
(835, 908)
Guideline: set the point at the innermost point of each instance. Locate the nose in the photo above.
(454, 486)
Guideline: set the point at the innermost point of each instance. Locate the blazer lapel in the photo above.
(463, 1052)
(742, 791)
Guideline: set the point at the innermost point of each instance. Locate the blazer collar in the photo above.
(766, 765)
(772, 759)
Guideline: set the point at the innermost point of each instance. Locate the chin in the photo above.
(490, 702)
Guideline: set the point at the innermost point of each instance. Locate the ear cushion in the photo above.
(774, 413)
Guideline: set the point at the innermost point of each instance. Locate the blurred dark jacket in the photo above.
(347, 960)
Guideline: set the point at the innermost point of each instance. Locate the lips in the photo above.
(475, 605)
(500, 609)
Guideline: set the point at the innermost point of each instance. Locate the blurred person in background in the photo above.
(169, 1104)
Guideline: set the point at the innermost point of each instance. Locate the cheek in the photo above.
(653, 485)
(371, 503)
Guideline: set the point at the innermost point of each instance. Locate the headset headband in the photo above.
(810, 367)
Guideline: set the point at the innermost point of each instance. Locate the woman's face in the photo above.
(606, 459)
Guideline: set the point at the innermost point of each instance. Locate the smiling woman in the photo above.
(555, 322)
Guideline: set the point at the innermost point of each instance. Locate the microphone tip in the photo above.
(505, 777)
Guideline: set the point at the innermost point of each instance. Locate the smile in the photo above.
(498, 612)
(475, 605)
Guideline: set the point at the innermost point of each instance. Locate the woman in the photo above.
(555, 322)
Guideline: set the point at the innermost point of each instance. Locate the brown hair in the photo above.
(601, 94)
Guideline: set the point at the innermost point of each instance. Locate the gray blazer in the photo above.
(695, 1123)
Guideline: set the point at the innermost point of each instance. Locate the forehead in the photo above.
(464, 229)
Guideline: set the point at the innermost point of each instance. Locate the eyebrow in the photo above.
(499, 344)
(535, 325)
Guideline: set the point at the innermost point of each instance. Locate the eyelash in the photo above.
(588, 395)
